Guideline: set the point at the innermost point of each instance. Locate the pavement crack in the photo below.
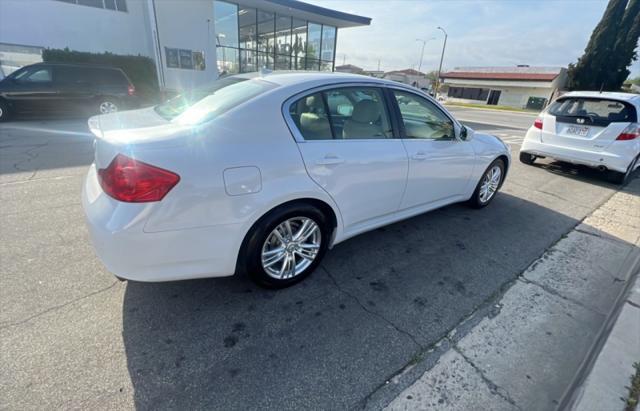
(58, 307)
(364, 307)
(493, 387)
(559, 295)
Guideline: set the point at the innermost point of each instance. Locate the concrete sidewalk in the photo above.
(526, 348)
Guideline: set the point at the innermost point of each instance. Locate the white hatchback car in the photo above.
(262, 174)
(599, 130)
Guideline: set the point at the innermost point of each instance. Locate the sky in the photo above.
(481, 32)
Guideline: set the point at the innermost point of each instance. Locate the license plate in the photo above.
(578, 131)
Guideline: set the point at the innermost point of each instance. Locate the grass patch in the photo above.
(634, 390)
(487, 107)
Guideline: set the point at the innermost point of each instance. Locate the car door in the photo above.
(440, 164)
(351, 151)
(74, 88)
(32, 90)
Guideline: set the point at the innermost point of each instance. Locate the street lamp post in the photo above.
(444, 45)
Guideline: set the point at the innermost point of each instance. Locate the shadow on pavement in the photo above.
(577, 172)
(378, 300)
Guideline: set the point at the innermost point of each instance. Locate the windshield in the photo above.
(204, 104)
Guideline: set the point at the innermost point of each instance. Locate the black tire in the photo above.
(616, 177)
(251, 255)
(527, 158)
(5, 112)
(475, 201)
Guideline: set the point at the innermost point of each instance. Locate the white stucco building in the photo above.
(191, 41)
(411, 77)
(518, 87)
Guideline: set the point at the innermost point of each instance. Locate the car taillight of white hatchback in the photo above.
(630, 133)
(132, 181)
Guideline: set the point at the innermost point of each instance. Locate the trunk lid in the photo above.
(128, 132)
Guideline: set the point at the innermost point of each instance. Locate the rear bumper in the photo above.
(118, 236)
(610, 160)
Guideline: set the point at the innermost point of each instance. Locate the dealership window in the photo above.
(117, 5)
(249, 39)
(299, 33)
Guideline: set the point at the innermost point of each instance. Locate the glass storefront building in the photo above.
(249, 39)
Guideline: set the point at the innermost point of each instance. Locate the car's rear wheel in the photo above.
(527, 158)
(616, 177)
(488, 185)
(107, 105)
(4, 111)
(286, 245)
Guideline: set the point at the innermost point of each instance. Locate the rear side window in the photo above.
(598, 112)
(111, 77)
(346, 113)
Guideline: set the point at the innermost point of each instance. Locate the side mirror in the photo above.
(465, 134)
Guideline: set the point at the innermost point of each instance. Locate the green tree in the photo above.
(611, 49)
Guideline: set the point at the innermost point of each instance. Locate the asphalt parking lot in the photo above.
(74, 337)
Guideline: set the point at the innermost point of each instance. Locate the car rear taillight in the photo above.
(538, 123)
(630, 133)
(131, 90)
(133, 181)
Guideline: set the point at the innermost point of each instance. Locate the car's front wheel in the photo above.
(488, 185)
(286, 245)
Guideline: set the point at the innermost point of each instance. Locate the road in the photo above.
(74, 337)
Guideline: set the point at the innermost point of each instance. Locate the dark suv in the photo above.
(68, 88)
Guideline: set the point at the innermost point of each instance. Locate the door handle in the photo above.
(420, 155)
(330, 160)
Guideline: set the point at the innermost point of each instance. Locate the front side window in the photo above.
(347, 113)
(42, 75)
(422, 119)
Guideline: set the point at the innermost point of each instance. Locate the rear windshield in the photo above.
(204, 104)
(601, 112)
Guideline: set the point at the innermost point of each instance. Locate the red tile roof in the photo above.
(467, 75)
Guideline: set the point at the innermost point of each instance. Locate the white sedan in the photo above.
(598, 130)
(262, 174)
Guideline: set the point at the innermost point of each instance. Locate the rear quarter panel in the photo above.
(252, 135)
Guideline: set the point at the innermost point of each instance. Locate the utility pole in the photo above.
(444, 45)
(421, 53)
(378, 64)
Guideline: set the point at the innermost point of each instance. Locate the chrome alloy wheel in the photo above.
(108, 107)
(291, 247)
(490, 183)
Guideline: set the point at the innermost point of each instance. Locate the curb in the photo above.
(576, 390)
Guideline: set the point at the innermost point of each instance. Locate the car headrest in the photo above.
(366, 111)
(314, 104)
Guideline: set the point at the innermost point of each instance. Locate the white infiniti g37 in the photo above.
(262, 174)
